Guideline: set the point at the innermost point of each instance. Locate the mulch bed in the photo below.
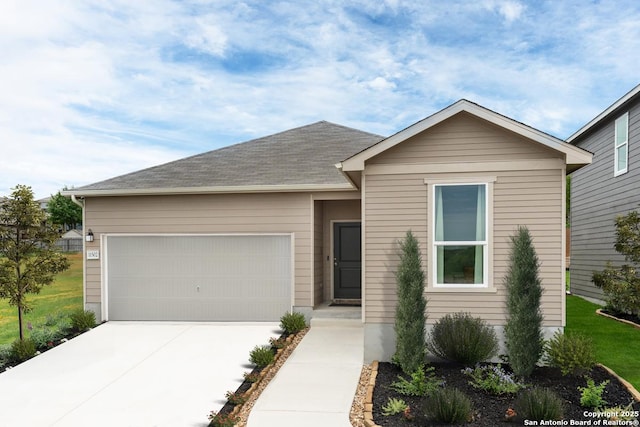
(625, 316)
(490, 410)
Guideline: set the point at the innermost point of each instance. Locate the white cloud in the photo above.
(90, 90)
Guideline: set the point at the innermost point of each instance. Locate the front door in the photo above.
(347, 277)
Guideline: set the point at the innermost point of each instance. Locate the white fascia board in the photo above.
(632, 93)
(574, 155)
(212, 190)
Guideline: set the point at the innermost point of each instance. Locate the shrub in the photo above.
(82, 320)
(493, 379)
(223, 420)
(235, 398)
(278, 343)
(261, 356)
(292, 323)
(523, 329)
(22, 350)
(539, 404)
(622, 286)
(591, 395)
(410, 316)
(422, 382)
(573, 354)
(251, 377)
(448, 405)
(43, 338)
(462, 338)
(394, 406)
(5, 354)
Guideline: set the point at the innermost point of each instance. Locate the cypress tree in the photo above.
(523, 330)
(410, 310)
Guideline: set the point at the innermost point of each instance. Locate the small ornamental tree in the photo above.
(523, 330)
(28, 259)
(410, 310)
(621, 285)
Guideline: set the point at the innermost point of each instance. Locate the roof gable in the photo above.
(629, 97)
(574, 156)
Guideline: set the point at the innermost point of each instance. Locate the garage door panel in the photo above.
(206, 278)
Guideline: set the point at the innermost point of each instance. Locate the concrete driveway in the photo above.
(137, 374)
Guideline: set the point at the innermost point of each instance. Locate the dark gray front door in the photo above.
(347, 278)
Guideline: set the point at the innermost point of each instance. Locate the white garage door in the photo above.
(198, 278)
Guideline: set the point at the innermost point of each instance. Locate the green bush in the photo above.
(573, 354)
(44, 338)
(462, 338)
(539, 404)
(292, 323)
(5, 354)
(523, 329)
(591, 395)
(223, 420)
(493, 379)
(422, 382)
(261, 355)
(410, 319)
(82, 320)
(22, 350)
(448, 405)
(621, 286)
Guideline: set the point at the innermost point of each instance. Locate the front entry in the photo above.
(347, 253)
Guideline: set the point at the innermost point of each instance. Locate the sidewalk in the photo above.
(317, 383)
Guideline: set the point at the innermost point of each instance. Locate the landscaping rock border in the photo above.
(628, 322)
(369, 376)
(266, 375)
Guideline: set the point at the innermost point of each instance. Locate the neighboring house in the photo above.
(314, 214)
(606, 189)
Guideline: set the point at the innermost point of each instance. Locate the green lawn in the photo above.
(64, 295)
(617, 344)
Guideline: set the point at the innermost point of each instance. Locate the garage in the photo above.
(198, 277)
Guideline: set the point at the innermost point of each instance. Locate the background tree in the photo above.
(523, 330)
(621, 285)
(28, 258)
(410, 311)
(63, 211)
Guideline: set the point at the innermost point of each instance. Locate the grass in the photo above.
(617, 344)
(64, 295)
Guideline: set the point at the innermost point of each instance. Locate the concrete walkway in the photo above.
(317, 383)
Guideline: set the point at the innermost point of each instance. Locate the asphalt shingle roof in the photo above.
(302, 156)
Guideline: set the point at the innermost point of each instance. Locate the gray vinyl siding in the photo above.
(597, 198)
(204, 214)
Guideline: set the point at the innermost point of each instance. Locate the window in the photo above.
(621, 145)
(460, 235)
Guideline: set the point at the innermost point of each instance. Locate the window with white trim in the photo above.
(621, 157)
(460, 245)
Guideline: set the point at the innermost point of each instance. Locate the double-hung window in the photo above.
(621, 140)
(460, 245)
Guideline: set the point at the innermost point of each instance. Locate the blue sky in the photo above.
(95, 89)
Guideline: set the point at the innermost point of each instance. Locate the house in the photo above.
(314, 214)
(604, 190)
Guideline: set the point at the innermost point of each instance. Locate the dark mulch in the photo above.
(490, 410)
(626, 316)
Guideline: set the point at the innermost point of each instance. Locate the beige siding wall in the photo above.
(396, 202)
(204, 214)
(335, 210)
(463, 138)
(318, 273)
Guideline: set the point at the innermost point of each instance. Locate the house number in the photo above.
(94, 254)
